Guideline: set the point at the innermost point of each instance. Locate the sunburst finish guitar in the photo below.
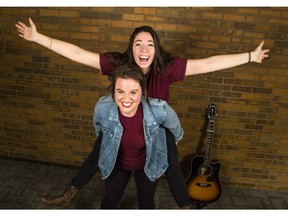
(203, 181)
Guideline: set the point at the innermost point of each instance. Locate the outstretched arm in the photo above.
(219, 62)
(63, 48)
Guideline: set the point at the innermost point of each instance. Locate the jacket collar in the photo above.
(148, 115)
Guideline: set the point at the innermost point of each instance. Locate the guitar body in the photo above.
(203, 182)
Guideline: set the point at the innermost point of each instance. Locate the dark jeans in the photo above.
(90, 166)
(173, 174)
(116, 183)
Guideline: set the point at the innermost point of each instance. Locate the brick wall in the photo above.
(47, 101)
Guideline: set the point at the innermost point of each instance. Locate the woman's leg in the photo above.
(89, 168)
(145, 190)
(82, 177)
(174, 174)
(115, 185)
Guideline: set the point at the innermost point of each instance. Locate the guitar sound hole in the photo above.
(205, 170)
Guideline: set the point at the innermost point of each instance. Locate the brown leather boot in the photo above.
(63, 200)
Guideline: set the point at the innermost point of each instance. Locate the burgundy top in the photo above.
(157, 87)
(132, 151)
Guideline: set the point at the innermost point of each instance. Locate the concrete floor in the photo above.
(22, 184)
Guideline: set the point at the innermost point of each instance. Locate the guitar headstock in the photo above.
(212, 112)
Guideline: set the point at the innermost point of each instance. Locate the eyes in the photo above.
(141, 45)
(133, 92)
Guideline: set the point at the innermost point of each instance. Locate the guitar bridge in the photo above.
(203, 185)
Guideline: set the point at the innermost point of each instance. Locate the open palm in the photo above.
(261, 54)
(26, 32)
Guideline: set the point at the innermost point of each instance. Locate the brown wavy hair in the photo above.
(161, 60)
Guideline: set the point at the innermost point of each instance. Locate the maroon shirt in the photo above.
(158, 87)
(132, 151)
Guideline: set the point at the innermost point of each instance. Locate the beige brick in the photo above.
(47, 101)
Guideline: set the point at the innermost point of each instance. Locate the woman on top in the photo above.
(160, 69)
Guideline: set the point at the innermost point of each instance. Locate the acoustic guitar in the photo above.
(203, 182)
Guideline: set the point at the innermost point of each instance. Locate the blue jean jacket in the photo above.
(156, 116)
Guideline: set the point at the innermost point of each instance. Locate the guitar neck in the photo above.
(210, 133)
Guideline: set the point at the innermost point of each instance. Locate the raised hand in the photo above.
(258, 54)
(26, 32)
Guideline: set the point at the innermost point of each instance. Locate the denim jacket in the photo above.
(156, 116)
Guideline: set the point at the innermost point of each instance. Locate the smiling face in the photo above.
(143, 51)
(127, 96)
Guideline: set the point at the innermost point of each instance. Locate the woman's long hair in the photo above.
(161, 60)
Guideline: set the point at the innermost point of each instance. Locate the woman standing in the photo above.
(133, 137)
(160, 69)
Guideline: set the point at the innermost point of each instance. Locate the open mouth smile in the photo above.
(126, 105)
(143, 58)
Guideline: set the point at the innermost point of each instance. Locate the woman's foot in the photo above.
(63, 200)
